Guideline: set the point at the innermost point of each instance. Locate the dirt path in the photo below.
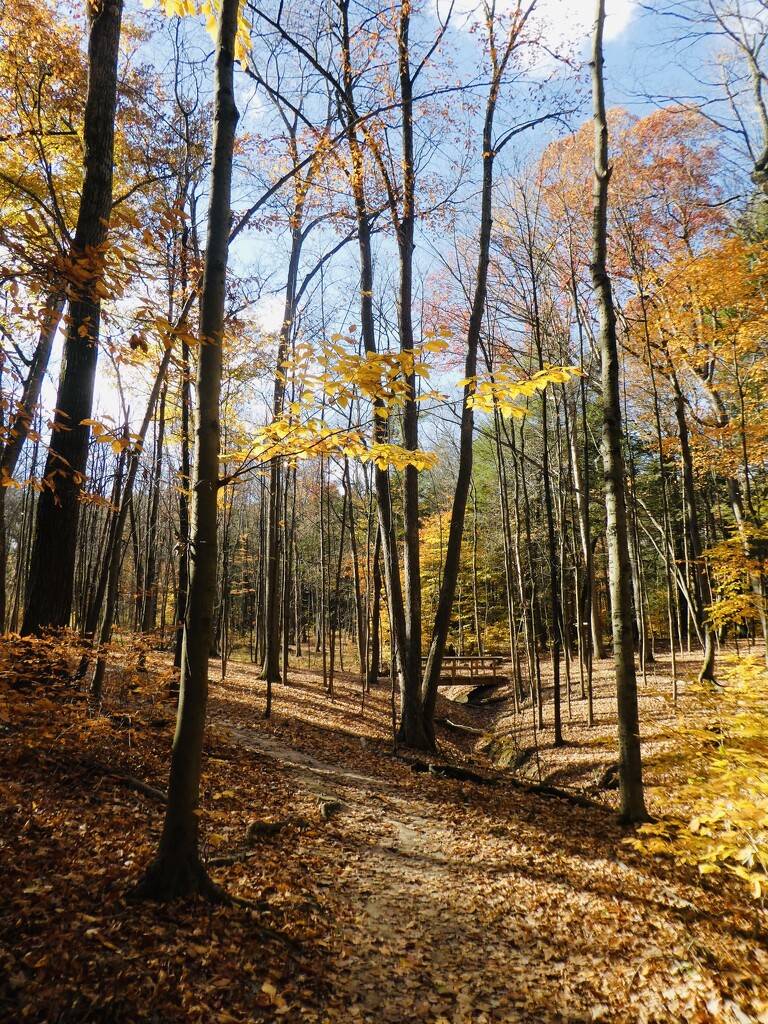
(398, 875)
(462, 913)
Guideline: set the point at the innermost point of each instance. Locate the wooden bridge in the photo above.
(465, 669)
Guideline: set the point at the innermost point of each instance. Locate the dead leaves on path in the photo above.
(420, 898)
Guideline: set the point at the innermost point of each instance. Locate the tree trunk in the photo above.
(149, 610)
(177, 868)
(630, 761)
(375, 631)
(360, 616)
(52, 565)
(110, 576)
(182, 545)
(499, 60)
(411, 726)
(274, 555)
(702, 589)
(22, 420)
(411, 731)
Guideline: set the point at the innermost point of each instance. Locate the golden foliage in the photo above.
(726, 759)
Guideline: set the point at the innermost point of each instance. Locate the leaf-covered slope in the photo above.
(380, 894)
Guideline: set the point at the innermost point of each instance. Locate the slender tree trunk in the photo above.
(375, 633)
(107, 591)
(22, 420)
(701, 590)
(149, 611)
(412, 731)
(290, 568)
(666, 518)
(532, 593)
(182, 544)
(324, 554)
(514, 646)
(410, 710)
(335, 617)
(360, 616)
(499, 60)
(271, 667)
(177, 868)
(630, 761)
(554, 564)
(475, 573)
(99, 588)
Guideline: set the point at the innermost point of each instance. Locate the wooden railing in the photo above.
(475, 664)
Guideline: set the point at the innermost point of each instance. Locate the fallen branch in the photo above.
(448, 771)
(132, 783)
(228, 859)
(461, 728)
(576, 799)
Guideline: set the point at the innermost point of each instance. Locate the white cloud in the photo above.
(573, 20)
(563, 23)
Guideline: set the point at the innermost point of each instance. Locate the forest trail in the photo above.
(412, 904)
(381, 895)
(459, 911)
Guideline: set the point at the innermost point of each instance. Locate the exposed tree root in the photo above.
(168, 879)
(447, 771)
(576, 799)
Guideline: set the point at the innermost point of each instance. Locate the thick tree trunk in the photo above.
(56, 531)
(620, 570)
(177, 868)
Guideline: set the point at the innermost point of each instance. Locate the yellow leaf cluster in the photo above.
(727, 791)
(209, 9)
(506, 386)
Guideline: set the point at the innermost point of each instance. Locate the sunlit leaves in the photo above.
(726, 761)
(706, 319)
(735, 563)
(506, 386)
(209, 9)
(335, 378)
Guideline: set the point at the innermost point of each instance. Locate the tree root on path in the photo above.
(576, 799)
(447, 771)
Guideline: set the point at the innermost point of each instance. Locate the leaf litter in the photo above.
(405, 896)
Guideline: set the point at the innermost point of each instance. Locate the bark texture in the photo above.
(52, 565)
(617, 537)
(177, 868)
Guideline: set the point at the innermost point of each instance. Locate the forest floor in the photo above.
(378, 893)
